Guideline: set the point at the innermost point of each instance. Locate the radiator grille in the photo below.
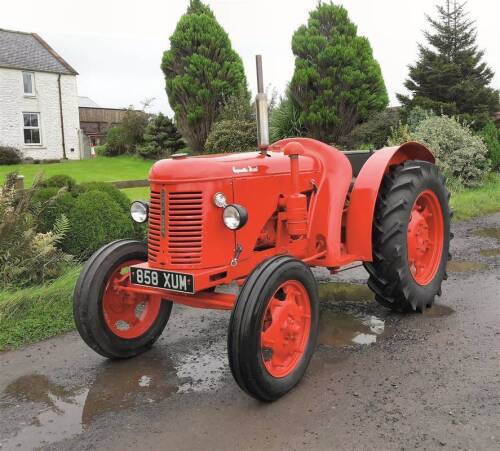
(185, 227)
(154, 229)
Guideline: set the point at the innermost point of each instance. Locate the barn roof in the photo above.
(20, 50)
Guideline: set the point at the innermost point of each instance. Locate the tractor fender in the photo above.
(364, 194)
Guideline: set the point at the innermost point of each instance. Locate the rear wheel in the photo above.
(273, 328)
(113, 323)
(411, 234)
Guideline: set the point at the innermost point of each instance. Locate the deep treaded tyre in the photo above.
(411, 235)
(273, 328)
(113, 325)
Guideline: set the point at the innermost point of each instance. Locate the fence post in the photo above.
(19, 182)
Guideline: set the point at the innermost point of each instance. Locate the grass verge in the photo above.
(35, 313)
(472, 202)
(100, 169)
(137, 193)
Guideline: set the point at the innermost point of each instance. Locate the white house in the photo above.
(38, 98)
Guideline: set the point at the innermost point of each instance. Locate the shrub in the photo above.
(232, 136)
(116, 143)
(491, 137)
(59, 181)
(96, 219)
(118, 196)
(133, 126)
(375, 131)
(417, 115)
(9, 155)
(101, 150)
(285, 121)
(161, 139)
(460, 154)
(27, 257)
(399, 135)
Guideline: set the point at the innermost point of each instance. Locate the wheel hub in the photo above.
(286, 328)
(127, 315)
(425, 237)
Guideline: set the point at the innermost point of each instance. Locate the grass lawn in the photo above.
(35, 313)
(137, 193)
(472, 202)
(100, 169)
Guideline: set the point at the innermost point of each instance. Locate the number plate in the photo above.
(174, 281)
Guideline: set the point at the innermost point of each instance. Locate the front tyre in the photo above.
(273, 328)
(113, 323)
(411, 237)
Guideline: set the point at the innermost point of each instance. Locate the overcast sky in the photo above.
(117, 45)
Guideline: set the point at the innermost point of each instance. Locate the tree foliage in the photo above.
(202, 71)
(232, 135)
(450, 76)
(161, 138)
(337, 83)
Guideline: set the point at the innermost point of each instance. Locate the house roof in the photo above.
(20, 50)
(87, 102)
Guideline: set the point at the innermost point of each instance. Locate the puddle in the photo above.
(488, 232)
(438, 311)
(343, 329)
(58, 413)
(465, 266)
(490, 252)
(344, 292)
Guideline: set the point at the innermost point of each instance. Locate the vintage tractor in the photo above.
(261, 220)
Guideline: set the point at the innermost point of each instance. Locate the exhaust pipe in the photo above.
(261, 106)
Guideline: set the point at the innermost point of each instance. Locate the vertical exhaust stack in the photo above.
(261, 106)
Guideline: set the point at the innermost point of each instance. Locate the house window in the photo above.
(32, 128)
(29, 83)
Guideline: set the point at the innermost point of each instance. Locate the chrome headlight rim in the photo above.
(235, 216)
(139, 211)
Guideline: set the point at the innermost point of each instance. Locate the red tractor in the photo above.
(262, 219)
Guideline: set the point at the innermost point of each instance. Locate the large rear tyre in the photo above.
(411, 236)
(113, 324)
(273, 328)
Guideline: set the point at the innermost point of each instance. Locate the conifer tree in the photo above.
(202, 71)
(450, 76)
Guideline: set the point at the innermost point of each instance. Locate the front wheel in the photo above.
(411, 237)
(113, 323)
(273, 328)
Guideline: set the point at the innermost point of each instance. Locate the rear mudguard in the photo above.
(364, 194)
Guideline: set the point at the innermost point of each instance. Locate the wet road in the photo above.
(377, 381)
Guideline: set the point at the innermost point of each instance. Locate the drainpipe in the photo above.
(62, 117)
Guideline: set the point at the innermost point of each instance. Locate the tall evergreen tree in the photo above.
(337, 83)
(450, 76)
(202, 71)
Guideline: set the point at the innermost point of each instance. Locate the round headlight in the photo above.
(220, 200)
(139, 211)
(235, 216)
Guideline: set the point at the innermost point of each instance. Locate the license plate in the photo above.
(157, 278)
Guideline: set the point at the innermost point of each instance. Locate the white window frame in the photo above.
(39, 128)
(33, 89)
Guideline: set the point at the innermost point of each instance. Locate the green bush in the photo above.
(460, 154)
(96, 219)
(27, 257)
(116, 142)
(232, 136)
(59, 181)
(399, 135)
(285, 121)
(118, 196)
(375, 131)
(161, 139)
(491, 137)
(416, 115)
(101, 150)
(9, 155)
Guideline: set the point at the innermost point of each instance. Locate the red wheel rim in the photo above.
(285, 328)
(128, 315)
(425, 237)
